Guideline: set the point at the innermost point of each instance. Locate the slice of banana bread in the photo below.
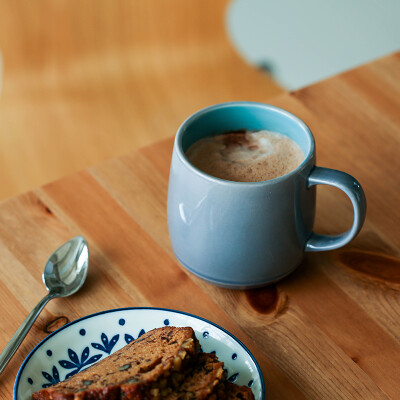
(200, 380)
(230, 391)
(137, 371)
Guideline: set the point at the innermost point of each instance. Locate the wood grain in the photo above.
(86, 81)
(331, 330)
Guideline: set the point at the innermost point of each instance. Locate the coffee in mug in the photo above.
(246, 156)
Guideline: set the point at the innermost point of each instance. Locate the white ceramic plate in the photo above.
(81, 343)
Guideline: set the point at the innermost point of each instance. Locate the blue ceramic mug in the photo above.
(249, 234)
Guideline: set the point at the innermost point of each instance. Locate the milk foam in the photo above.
(246, 156)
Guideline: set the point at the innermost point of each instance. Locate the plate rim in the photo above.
(27, 358)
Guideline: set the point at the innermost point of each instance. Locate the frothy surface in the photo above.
(246, 156)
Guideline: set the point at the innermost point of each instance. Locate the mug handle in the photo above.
(349, 185)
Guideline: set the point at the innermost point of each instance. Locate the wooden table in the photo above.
(331, 330)
(80, 84)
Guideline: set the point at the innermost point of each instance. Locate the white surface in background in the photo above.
(304, 41)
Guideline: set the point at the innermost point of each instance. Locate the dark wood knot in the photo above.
(263, 300)
(56, 324)
(376, 265)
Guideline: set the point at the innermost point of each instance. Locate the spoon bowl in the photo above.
(66, 270)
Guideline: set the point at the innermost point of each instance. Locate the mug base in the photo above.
(236, 285)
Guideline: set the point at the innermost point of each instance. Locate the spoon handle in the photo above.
(21, 332)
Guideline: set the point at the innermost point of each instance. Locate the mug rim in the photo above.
(182, 156)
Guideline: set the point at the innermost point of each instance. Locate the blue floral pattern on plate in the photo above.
(52, 379)
(83, 342)
(107, 345)
(76, 363)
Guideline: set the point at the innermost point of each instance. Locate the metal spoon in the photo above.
(63, 275)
